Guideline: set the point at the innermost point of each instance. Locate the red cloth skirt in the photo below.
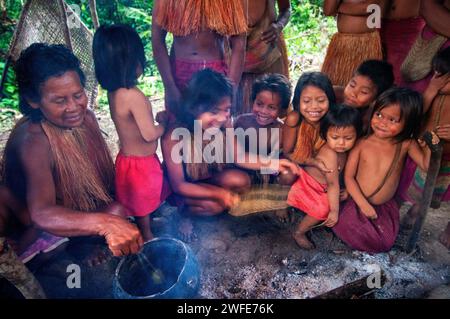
(364, 234)
(140, 183)
(309, 196)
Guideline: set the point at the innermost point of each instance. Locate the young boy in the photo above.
(355, 41)
(370, 79)
(271, 95)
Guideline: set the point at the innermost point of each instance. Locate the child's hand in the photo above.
(162, 118)
(228, 199)
(286, 165)
(343, 195)
(443, 132)
(369, 211)
(318, 163)
(332, 219)
(437, 82)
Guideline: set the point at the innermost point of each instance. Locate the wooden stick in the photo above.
(94, 15)
(353, 290)
(427, 195)
(4, 75)
(13, 270)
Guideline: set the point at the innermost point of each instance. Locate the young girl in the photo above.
(140, 184)
(369, 221)
(206, 188)
(315, 193)
(313, 96)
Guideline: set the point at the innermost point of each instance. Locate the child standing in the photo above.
(355, 40)
(313, 97)
(369, 221)
(437, 111)
(140, 184)
(315, 193)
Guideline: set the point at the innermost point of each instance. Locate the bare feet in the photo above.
(444, 237)
(303, 241)
(186, 230)
(283, 216)
(98, 256)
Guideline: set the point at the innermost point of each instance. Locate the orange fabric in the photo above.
(308, 142)
(309, 196)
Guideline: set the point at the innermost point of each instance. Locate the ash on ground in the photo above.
(256, 257)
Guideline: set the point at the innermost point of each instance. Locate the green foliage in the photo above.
(307, 36)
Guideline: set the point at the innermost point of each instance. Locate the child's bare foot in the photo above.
(283, 216)
(444, 237)
(98, 256)
(186, 230)
(303, 241)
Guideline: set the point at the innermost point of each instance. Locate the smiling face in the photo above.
(387, 122)
(266, 107)
(217, 117)
(341, 139)
(360, 92)
(314, 104)
(63, 100)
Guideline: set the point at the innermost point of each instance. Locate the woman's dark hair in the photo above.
(410, 103)
(341, 116)
(38, 63)
(441, 61)
(204, 91)
(118, 52)
(275, 83)
(379, 72)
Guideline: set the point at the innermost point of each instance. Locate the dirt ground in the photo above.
(256, 257)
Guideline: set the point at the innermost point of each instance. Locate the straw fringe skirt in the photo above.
(347, 51)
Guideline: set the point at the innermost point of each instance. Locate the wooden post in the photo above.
(94, 16)
(427, 195)
(13, 270)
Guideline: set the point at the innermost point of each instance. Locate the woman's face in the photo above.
(314, 104)
(217, 117)
(63, 100)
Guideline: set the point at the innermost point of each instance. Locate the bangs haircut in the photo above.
(341, 116)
